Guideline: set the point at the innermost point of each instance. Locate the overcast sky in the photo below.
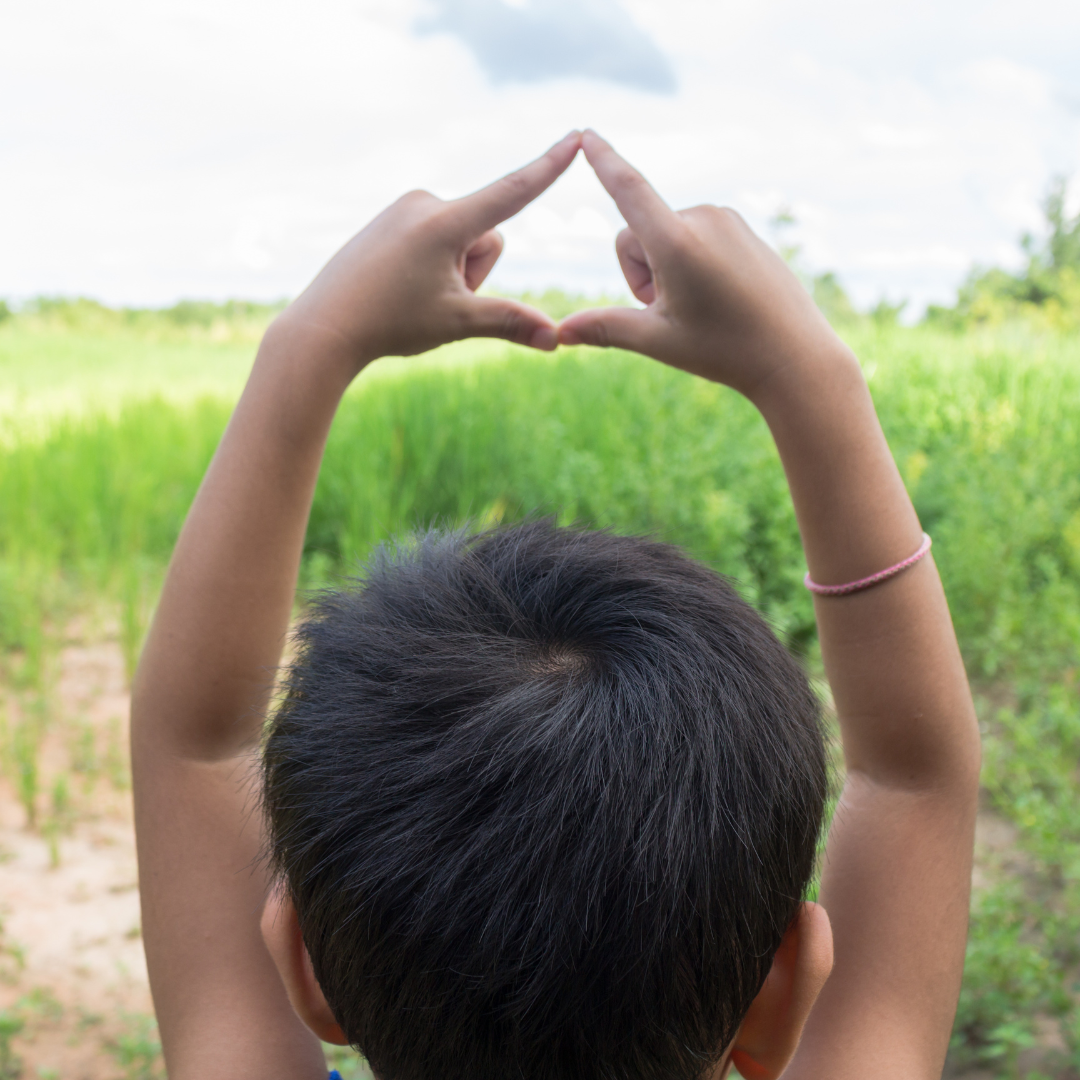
(158, 149)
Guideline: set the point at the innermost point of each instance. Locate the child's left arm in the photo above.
(403, 285)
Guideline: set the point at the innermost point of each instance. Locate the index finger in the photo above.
(645, 212)
(491, 205)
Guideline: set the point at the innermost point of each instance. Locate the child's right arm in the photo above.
(897, 868)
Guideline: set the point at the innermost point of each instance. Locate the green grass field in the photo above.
(106, 429)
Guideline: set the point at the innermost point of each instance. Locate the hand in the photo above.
(720, 302)
(406, 283)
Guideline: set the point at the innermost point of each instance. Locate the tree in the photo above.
(1046, 291)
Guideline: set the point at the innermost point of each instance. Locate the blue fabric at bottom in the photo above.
(334, 1075)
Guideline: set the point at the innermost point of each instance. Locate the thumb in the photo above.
(617, 327)
(493, 316)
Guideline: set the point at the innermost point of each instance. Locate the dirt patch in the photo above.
(73, 969)
(997, 854)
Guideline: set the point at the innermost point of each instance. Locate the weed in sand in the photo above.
(7, 747)
(60, 819)
(137, 1049)
(115, 763)
(62, 810)
(51, 834)
(12, 957)
(10, 1063)
(33, 1008)
(135, 593)
(25, 744)
(40, 1005)
(82, 750)
(86, 1021)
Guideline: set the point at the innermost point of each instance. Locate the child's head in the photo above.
(545, 801)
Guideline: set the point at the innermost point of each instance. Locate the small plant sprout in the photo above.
(61, 803)
(133, 615)
(26, 740)
(59, 820)
(137, 1049)
(116, 764)
(11, 1024)
(82, 748)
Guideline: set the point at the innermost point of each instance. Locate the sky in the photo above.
(152, 151)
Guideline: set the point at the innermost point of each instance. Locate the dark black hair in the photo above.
(546, 800)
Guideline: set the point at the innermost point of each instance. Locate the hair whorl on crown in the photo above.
(546, 800)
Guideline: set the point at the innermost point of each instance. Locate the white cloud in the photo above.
(1072, 198)
(219, 147)
(537, 40)
(1014, 85)
(888, 137)
(937, 255)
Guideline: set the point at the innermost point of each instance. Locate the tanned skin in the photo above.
(234, 1002)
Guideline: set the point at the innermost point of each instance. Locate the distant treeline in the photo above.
(1044, 292)
(229, 319)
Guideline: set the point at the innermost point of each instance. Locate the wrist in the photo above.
(853, 511)
(300, 374)
(819, 410)
(819, 381)
(313, 349)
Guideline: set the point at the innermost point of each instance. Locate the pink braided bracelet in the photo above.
(873, 579)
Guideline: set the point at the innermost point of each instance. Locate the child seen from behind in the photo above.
(544, 802)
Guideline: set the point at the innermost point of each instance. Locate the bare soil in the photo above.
(73, 961)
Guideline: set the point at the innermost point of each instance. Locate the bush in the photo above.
(1045, 292)
(1024, 943)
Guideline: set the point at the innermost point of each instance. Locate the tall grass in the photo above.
(607, 439)
(986, 431)
(985, 428)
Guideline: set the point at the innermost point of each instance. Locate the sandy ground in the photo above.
(71, 958)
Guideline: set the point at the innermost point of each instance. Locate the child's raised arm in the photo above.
(897, 869)
(403, 285)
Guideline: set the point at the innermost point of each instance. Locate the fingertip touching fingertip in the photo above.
(569, 336)
(544, 337)
(573, 139)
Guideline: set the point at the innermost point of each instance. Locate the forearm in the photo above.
(403, 285)
(217, 636)
(897, 867)
(198, 703)
(890, 652)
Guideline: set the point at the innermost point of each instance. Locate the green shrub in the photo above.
(1024, 943)
(10, 1063)
(1045, 292)
(137, 1048)
(1007, 980)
